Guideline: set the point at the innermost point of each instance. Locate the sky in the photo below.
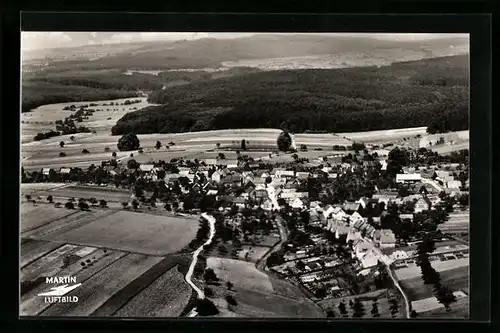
(47, 40)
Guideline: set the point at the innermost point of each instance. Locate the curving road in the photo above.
(211, 222)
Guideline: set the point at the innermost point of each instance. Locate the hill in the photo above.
(405, 94)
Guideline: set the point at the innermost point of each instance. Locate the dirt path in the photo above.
(211, 221)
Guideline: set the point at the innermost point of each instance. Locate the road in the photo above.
(211, 222)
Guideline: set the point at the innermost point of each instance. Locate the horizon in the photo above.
(40, 41)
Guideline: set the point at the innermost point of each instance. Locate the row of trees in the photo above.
(358, 309)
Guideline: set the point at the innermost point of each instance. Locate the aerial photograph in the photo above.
(244, 175)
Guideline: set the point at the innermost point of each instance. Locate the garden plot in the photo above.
(135, 232)
(97, 290)
(165, 297)
(42, 214)
(242, 274)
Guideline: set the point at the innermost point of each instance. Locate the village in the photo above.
(337, 226)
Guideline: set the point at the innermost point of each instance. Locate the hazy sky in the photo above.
(46, 40)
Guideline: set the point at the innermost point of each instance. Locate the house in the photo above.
(353, 235)
(239, 202)
(259, 194)
(212, 192)
(46, 171)
(351, 206)
(369, 259)
(302, 175)
(285, 173)
(297, 203)
(259, 181)
(232, 166)
(385, 238)
(332, 175)
(383, 163)
(217, 176)
(65, 171)
(398, 255)
(406, 217)
(341, 231)
(363, 202)
(454, 184)
(328, 211)
(265, 175)
(355, 217)
(267, 204)
(211, 161)
(421, 205)
(146, 167)
(360, 248)
(408, 178)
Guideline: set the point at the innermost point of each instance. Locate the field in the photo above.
(456, 279)
(242, 274)
(378, 137)
(131, 231)
(109, 193)
(33, 217)
(458, 309)
(33, 188)
(414, 271)
(103, 285)
(457, 222)
(165, 297)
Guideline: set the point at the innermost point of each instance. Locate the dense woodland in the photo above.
(432, 92)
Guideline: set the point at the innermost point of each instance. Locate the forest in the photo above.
(430, 92)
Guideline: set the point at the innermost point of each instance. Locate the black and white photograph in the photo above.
(244, 175)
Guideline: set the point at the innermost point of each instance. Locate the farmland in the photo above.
(456, 279)
(72, 191)
(165, 297)
(34, 217)
(131, 231)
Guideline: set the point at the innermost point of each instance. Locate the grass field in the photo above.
(34, 217)
(242, 274)
(458, 310)
(31, 250)
(94, 292)
(134, 232)
(384, 135)
(165, 297)
(456, 279)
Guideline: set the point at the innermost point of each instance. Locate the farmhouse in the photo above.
(146, 167)
(454, 184)
(421, 205)
(65, 171)
(211, 161)
(46, 171)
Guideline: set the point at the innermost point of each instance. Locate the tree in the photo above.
(358, 309)
(413, 314)
(103, 203)
(209, 275)
(61, 144)
(83, 205)
(158, 145)
(342, 309)
(208, 292)
(50, 199)
(222, 249)
(72, 138)
(125, 204)
(133, 164)
(205, 307)
(403, 192)
(284, 141)
(243, 144)
(374, 311)
(85, 151)
(330, 313)
(231, 301)
(135, 204)
(217, 145)
(28, 197)
(394, 307)
(69, 205)
(300, 265)
(128, 142)
(445, 296)
(114, 154)
(320, 292)
(229, 285)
